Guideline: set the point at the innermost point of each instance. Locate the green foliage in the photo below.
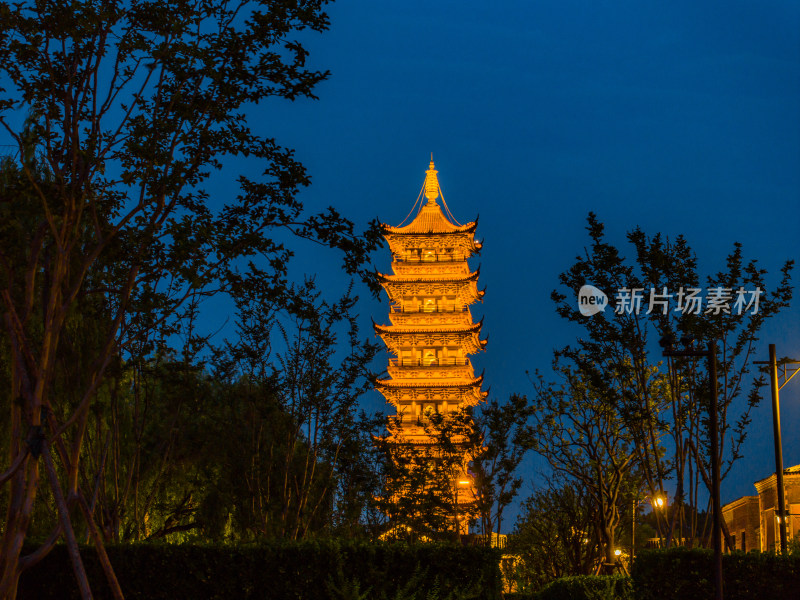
(663, 405)
(345, 589)
(688, 575)
(794, 545)
(504, 431)
(313, 570)
(588, 587)
(553, 537)
(418, 494)
(581, 587)
(581, 430)
(109, 241)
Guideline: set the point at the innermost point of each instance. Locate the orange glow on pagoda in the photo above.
(432, 333)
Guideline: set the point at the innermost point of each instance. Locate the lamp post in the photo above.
(657, 502)
(667, 343)
(776, 430)
(461, 484)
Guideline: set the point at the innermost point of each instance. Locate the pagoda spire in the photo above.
(431, 183)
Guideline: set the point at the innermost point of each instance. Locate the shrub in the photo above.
(685, 574)
(309, 570)
(588, 587)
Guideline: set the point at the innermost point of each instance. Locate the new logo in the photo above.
(591, 300)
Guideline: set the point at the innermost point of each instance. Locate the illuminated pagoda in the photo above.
(432, 333)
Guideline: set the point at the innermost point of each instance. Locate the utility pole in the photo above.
(777, 386)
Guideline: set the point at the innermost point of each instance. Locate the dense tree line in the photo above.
(620, 426)
(109, 245)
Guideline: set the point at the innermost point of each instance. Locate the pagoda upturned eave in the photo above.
(465, 288)
(430, 220)
(437, 383)
(400, 244)
(473, 328)
(455, 394)
(396, 339)
(429, 278)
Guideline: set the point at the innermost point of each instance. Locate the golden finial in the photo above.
(431, 183)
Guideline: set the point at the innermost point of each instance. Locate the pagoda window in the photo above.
(428, 357)
(429, 305)
(428, 254)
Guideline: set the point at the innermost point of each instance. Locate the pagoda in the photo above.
(432, 333)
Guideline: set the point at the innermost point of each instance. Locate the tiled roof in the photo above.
(430, 384)
(432, 329)
(431, 219)
(447, 278)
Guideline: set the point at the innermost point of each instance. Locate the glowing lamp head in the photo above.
(659, 501)
(464, 482)
(617, 552)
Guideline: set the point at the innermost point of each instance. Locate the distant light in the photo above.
(464, 482)
(617, 552)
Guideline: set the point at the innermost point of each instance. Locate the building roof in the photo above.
(795, 470)
(739, 502)
(433, 278)
(474, 327)
(440, 383)
(430, 219)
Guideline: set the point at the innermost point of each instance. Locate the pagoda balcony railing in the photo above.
(412, 420)
(416, 258)
(454, 361)
(439, 308)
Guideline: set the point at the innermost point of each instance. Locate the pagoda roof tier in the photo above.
(420, 319)
(430, 220)
(436, 372)
(437, 268)
(395, 339)
(463, 286)
(466, 338)
(416, 436)
(430, 277)
(432, 328)
(401, 425)
(409, 383)
(442, 363)
(403, 247)
(461, 394)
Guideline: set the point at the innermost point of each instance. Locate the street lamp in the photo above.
(657, 502)
(776, 430)
(461, 484)
(667, 343)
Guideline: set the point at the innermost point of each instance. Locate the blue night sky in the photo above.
(679, 117)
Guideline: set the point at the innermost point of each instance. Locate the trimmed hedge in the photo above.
(314, 570)
(682, 574)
